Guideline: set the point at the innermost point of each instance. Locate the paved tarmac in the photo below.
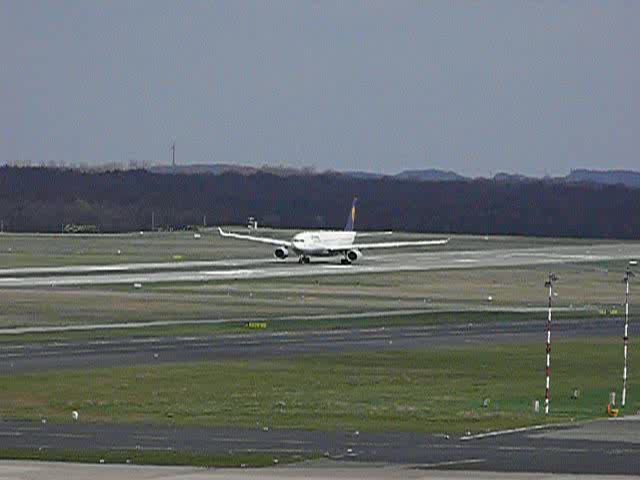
(392, 261)
(54, 355)
(10, 470)
(515, 452)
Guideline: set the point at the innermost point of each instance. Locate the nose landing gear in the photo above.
(303, 259)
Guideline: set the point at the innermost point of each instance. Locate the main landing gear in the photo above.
(303, 259)
(345, 261)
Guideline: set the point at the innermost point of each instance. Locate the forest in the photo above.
(43, 199)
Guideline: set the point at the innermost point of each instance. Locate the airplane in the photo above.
(328, 243)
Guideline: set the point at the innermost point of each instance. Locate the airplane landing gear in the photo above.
(303, 259)
(345, 261)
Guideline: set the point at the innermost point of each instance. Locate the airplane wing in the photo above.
(373, 234)
(269, 241)
(370, 246)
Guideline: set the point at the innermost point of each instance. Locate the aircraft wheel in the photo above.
(306, 259)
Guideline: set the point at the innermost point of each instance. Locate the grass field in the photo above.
(587, 286)
(142, 457)
(439, 391)
(427, 391)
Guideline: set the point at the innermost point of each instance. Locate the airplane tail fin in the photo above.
(351, 219)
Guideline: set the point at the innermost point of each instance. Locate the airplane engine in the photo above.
(354, 255)
(281, 253)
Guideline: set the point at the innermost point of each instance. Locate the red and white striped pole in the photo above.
(625, 339)
(549, 285)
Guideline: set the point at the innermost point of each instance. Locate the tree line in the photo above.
(41, 199)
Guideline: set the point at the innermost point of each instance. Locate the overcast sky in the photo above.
(475, 87)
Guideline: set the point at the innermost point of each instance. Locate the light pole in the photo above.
(549, 285)
(627, 277)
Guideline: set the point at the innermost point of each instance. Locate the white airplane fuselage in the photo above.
(321, 243)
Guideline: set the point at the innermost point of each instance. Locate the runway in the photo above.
(529, 451)
(393, 261)
(38, 357)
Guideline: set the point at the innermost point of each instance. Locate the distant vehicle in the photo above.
(328, 243)
(252, 223)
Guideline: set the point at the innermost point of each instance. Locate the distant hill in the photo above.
(513, 178)
(363, 175)
(222, 168)
(628, 178)
(198, 169)
(430, 175)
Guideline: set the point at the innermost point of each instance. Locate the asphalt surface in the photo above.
(393, 261)
(38, 357)
(11, 470)
(516, 452)
(30, 470)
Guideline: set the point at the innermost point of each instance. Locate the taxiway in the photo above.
(542, 451)
(54, 355)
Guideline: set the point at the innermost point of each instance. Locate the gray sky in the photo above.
(530, 87)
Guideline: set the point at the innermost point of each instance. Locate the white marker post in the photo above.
(549, 285)
(625, 339)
